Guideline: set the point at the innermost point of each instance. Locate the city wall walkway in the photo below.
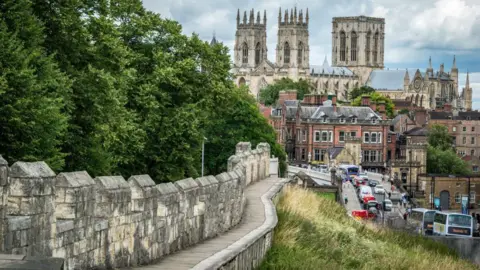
(206, 254)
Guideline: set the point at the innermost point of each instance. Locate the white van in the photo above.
(365, 190)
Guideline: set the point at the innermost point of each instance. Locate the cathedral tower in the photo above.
(250, 40)
(454, 72)
(293, 50)
(358, 43)
(467, 94)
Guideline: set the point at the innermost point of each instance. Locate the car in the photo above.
(363, 175)
(372, 183)
(387, 205)
(379, 189)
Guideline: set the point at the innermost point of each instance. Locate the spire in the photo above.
(252, 17)
(407, 77)
(214, 39)
(265, 18)
(238, 17)
(291, 15)
(300, 17)
(258, 17)
(430, 62)
(295, 15)
(454, 63)
(467, 83)
(286, 16)
(279, 15)
(245, 17)
(307, 17)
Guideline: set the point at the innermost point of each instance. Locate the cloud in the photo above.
(414, 30)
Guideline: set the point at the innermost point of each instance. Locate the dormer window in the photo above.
(324, 119)
(374, 120)
(354, 120)
(342, 120)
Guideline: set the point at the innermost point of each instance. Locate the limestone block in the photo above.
(74, 180)
(31, 170)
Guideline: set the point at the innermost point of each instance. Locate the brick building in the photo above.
(464, 128)
(450, 189)
(316, 127)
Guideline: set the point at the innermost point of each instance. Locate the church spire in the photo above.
(454, 63)
(238, 17)
(467, 83)
(307, 17)
(295, 15)
(258, 17)
(286, 16)
(291, 15)
(245, 17)
(430, 62)
(279, 15)
(265, 18)
(406, 79)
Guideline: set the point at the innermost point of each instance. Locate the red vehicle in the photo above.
(368, 198)
(359, 181)
(362, 214)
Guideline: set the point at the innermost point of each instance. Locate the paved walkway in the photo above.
(254, 216)
(353, 203)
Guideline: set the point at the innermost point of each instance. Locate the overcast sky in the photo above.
(415, 29)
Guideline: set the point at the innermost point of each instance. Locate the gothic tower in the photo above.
(250, 40)
(358, 43)
(293, 50)
(467, 95)
(454, 72)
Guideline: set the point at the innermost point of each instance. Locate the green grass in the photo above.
(314, 232)
(327, 195)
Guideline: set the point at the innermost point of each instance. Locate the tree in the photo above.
(438, 137)
(441, 156)
(33, 91)
(269, 95)
(360, 91)
(376, 97)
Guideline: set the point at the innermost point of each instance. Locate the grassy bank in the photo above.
(315, 233)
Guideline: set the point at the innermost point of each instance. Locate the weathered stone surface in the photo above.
(31, 169)
(74, 179)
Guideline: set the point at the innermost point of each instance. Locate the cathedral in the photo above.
(358, 46)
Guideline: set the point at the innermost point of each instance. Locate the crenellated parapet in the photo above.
(109, 222)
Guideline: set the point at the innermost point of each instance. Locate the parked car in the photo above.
(387, 205)
(372, 183)
(379, 189)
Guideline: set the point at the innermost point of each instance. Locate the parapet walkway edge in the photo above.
(221, 258)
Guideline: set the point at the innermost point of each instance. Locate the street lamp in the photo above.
(309, 159)
(360, 162)
(203, 152)
(410, 178)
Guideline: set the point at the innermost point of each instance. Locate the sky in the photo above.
(414, 29)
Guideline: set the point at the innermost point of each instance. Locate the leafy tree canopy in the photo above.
(376, 97)
(269, 95)
(360, 91)
(441, 156)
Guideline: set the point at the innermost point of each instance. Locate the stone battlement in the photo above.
(110, 222)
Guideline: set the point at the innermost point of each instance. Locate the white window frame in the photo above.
(315, 154)
(366, 137)
(342, 120)
(389, 138)
(458, 198)
(339, 136)
(354, 132)
(374, 120)
(475, 167)
(317, 132)
(330, 136)
(473, 194)
(326, 136)
(354, 120)
(379, 137)
(324, 119)
(372, 136)
(304, 135)
(454, 129)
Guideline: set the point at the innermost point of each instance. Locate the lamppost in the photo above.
(309, 159)
(410, 163)
(203, 152)
(360, 162)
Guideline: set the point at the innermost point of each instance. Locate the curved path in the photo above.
(254, 217)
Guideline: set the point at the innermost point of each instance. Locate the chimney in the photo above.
(365, 100)
(447, 107)
(286, 95)
(334, 103)
(373, 106)
(381, 109)
(312, 99)
(420, 117)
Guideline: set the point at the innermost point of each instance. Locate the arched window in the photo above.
(375, 48)
(343, 44)
(241, 82)
(286, 53)
(353, 47)
(367, 49)
(257, 53)
(244, 53)
(300, 53)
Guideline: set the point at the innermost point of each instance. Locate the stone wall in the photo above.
(467, 248)
(108, 222)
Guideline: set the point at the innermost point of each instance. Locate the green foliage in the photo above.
(108, 87)
(360, 91)
(269, 95)
(33, 91)
(441, 156)
(376, 97)
(404, 111)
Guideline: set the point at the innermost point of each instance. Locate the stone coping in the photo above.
(220, 258)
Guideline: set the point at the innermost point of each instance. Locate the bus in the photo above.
(452, 224)
(350, 170)
(423, 220)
